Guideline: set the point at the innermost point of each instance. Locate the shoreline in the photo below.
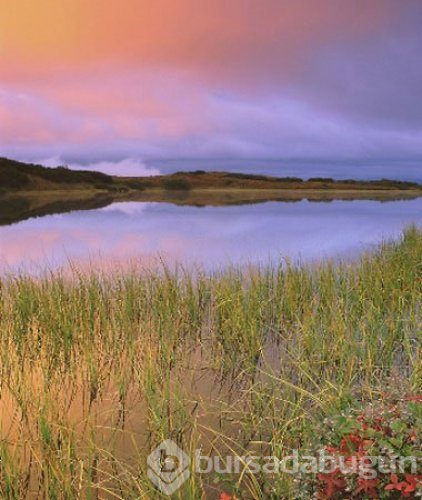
(206, 190)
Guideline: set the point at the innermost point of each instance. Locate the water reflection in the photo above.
(211, 236)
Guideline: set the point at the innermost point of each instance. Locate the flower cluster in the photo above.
(385, 430)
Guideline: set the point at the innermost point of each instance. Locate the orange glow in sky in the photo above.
(204, 77)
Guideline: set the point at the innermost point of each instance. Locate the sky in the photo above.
(118, 83)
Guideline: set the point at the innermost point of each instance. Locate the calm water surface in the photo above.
(209, 236)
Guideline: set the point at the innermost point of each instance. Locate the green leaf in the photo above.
(398, 426)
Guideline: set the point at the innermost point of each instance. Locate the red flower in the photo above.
(406, 487)
(331, 449)
(412, 481)
(377, 424)
(395, 484)
(350, 444)
(333, 482)
(413, 436)
(226, 496)
(368, 486)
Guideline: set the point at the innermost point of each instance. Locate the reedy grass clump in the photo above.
(97, 369)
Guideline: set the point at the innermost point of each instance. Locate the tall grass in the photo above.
(96, 370)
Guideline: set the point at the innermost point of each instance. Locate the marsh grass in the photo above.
(96, 370)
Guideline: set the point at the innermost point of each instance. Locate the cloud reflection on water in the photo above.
(208, 236)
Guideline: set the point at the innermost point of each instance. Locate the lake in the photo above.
(209, 236)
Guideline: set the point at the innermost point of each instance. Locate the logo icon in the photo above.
(168, 467)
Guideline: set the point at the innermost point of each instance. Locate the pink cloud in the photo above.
(214, 39)
(175, 78)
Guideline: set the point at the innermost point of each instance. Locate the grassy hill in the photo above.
(16, 176)
(200, 179)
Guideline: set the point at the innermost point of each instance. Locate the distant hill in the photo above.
(16, 176)
(200, 179)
